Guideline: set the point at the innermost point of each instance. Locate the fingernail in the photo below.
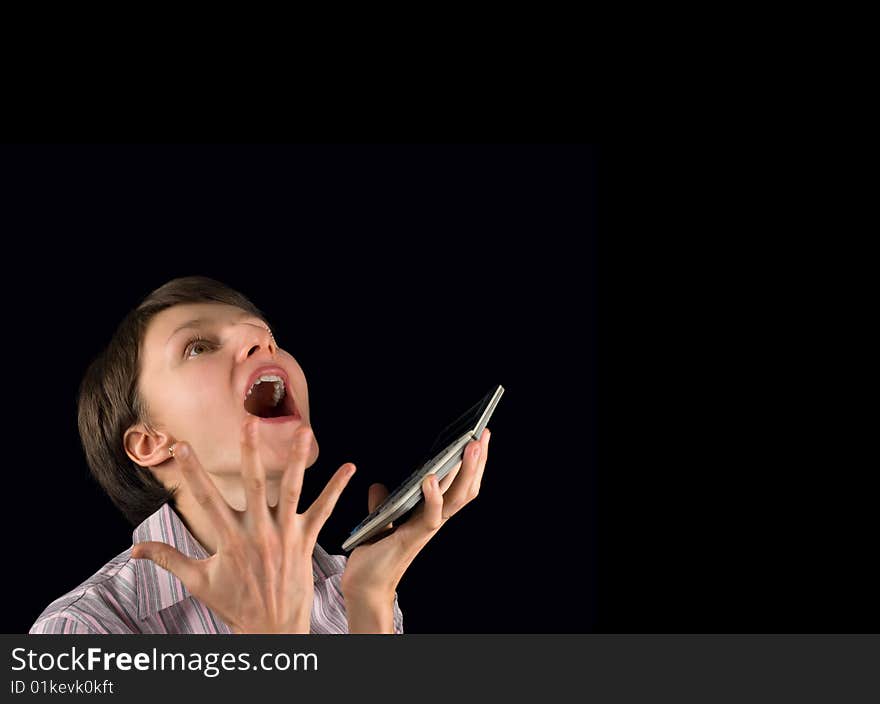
(181, 451)
(477, 451)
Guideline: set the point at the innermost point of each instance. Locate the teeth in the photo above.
(278, 392)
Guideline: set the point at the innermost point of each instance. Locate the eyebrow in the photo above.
(198, 322)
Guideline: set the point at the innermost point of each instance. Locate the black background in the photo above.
(405, 280)
(676, 448)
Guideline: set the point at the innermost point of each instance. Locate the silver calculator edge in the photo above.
(442, 463)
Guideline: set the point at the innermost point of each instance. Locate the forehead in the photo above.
(164, 323)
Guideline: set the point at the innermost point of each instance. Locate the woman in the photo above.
(197, 425)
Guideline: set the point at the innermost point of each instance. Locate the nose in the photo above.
(255, 339)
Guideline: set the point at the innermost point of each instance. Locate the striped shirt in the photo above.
(138, 596)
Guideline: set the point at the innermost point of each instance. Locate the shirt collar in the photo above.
(157, 588)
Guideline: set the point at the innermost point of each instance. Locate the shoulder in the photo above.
(107, 602)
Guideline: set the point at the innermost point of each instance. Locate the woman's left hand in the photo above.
(374, 568)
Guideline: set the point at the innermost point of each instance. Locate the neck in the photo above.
(200, 524)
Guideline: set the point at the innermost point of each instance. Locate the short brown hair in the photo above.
(110, 402)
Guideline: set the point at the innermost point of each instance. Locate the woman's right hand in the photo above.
(260, 579)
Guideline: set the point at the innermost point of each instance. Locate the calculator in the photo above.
(446, 452)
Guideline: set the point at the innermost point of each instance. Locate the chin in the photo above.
(275, 457)
(313, 453)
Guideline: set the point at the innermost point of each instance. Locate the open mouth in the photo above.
(268, 399)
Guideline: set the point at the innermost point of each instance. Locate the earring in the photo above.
(171, 450)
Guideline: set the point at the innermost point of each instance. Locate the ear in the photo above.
(146, 447)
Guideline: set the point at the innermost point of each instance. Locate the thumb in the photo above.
(432, 516)
(376, 495)
(168, 558)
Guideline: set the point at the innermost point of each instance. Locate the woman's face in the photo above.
(196, 389)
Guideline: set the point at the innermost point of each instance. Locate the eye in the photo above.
(194, 344)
